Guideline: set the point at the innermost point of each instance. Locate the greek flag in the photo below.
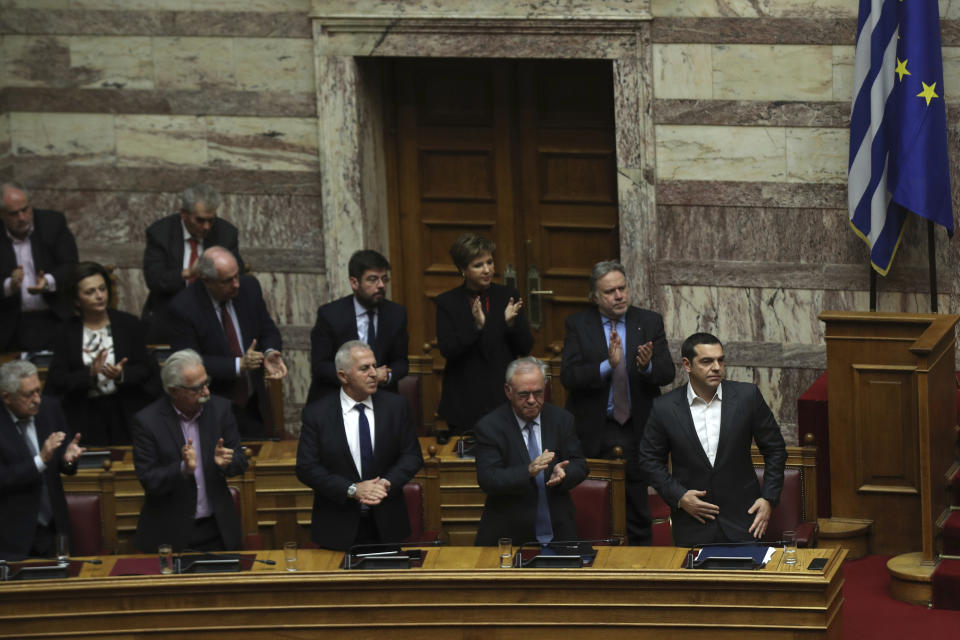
(898, 126)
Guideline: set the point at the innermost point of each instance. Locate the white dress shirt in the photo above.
(351, 426)
(706, 419)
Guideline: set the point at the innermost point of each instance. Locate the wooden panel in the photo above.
(636, 592)
(578, 177)
(456, 175)
(885, 431)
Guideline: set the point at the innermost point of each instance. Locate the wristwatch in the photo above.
(352, 491)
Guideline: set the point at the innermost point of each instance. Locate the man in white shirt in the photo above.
(707, 428)
(357, 449)
(36, 250)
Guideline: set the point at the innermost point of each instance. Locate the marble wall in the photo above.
(731, 147)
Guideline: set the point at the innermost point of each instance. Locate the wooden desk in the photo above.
(639, 592)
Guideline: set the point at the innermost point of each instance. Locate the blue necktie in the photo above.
(544, 527)
(367, 464)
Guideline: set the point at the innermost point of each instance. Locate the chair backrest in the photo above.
(413, 496)
(86, 524)
(591, 499)
(409, 388)
(789, 512)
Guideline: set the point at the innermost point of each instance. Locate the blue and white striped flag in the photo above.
(898, 127)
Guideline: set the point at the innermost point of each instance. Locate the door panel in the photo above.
(519, 151)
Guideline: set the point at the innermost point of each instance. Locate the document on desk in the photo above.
(759, 555)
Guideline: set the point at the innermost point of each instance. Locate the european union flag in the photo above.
(898, 127)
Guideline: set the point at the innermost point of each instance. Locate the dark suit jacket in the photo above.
(194, 325)
(476, 360)
(502, 460)
(54, 252)
(337, 324)
(70, 379)
(20, 482)
(163, 265)
(584, 348)
(324, 464)
(731, 482)
(170, 496)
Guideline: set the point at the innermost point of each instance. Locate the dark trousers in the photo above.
(367, 532)
(44, 545)
(639, 523)
(249, 419)
(205, 535)
(35, 331)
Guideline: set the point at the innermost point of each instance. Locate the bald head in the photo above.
(219, 272)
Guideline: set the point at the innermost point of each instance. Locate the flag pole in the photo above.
(873, 288)
(932, 258)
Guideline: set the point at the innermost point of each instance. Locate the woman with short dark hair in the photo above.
(481, 328)
(100, 365)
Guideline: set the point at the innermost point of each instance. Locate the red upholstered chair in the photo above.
(86, 524)
(790, 513)
(250, 540)
(409, 388)
(660, 515)
(413, 494)
(592, 499)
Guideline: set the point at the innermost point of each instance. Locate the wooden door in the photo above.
(520, 151)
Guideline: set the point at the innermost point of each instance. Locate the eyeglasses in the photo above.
(197, 388)
(538, 394)
(29, 394)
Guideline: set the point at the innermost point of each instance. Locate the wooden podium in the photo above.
(892, 418)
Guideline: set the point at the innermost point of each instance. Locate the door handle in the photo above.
(535, 294)
(510, 276)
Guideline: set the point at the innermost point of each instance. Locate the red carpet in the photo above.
(871, 614)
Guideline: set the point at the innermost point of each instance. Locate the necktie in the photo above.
(544, 528)
(193, 256)
(621, 397)
(241, 392)
(45, 510)
(367, 463)
(371, 327)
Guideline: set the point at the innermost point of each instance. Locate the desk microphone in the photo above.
(226, 556)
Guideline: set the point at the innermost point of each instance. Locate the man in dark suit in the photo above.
(528, 459)
(366, 315)
(36, 249)
(357, 449)
(223, 316)
(707, 427)
(185, 446)
(615, 359)
(174, 244)
(34, 451)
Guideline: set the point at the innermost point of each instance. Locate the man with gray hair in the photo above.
(174, 244)
(185, 446)
(357, 449)
(528, 459)
(36, 250)
(615, 359)
(34, 451)
(223, 316)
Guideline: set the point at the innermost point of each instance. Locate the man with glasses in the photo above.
(528, 459)
(185, 446)
(36, 249)
(174, 244)
(364, 315)
(224, 318)
(34, 451)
